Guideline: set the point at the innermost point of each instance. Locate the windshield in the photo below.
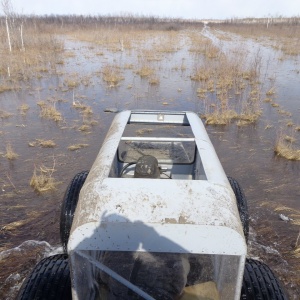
(177, 151)
(162, 276)
(169, 143)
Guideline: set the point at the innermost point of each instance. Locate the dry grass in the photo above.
(84, 128)
(153, 80)
(275, 104)
(268, 126)
(229, 87)
(23, 109)
(289, 139)
(84, 109)
(297, 252)
(4, 114)
(111, 74)
(202, 73)
(71, 82)
(50, 112)
(268, 100)
(270, 92)
(42, 180)
(77, 147)
(145, 71)
(220, 117)
(5, 88)
(286, 149)
(10, 153)
(42, 143)
(37, 56)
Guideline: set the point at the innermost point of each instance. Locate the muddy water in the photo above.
(29, 221)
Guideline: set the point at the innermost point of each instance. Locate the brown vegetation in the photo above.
(223, 81)
(10, 153)
(84, 127)
(42, 180)
(4, 114)
(23, 109)
(42, 143)
(77, 147)
(111, 74)
(284, 147)
(29, 50)
(50, 112)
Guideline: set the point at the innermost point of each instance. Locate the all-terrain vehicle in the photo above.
(156, 217)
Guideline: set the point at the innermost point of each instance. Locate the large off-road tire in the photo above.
(69, 205)
(260, 283)
(241, 204)
(49, 280)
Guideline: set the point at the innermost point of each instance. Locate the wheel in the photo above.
(69, 205)
(259, 282)
(241, 204)
(49, 280)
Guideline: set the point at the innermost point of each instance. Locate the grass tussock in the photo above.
(50, 112)
(42, 143)
(77, 147)
(42, 179)
(5, 88)
(270, 92)
(111, 74)
(10, 153)
(71, 82)
(285, 148)
(153, 80)
(85, 128)
(145, 71)
(220, 117)
(4, 114)
(84, 109)
(23, 109)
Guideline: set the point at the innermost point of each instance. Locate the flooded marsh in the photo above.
(54, 115)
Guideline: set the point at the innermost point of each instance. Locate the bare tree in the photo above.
(7, 9)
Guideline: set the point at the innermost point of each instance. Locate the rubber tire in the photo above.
(241, 204)
(69, 205)
(49, 280)
(260, 283)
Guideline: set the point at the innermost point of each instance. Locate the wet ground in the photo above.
(271, 183)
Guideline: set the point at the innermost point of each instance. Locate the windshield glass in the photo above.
(168, 143)
(144, 275)
(180, 151)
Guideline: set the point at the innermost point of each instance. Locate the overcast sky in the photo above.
(194, 9)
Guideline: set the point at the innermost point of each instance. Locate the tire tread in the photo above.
(260, 283)
(49, 280)
(69, 205)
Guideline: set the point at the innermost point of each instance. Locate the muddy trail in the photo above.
(78, 90)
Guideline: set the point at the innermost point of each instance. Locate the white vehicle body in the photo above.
(194, 213)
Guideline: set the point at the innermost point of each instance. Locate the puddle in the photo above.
(246, 152)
